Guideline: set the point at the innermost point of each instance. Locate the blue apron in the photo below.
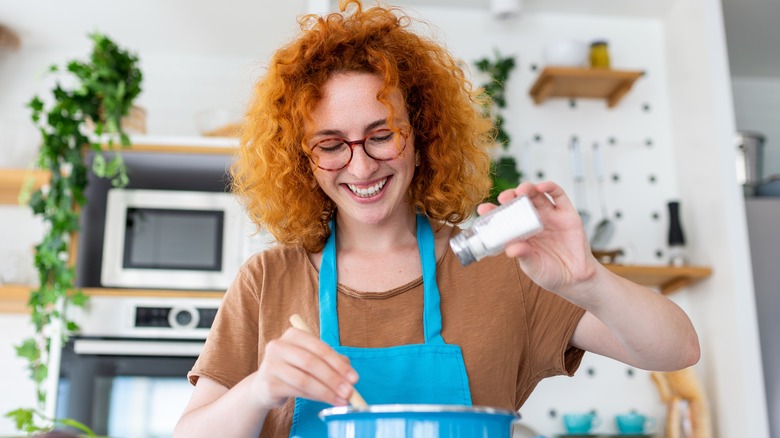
(429, 373)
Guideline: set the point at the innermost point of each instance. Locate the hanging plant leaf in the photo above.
(106, 86)
(505, 176)
(506, 169)
(503, 170)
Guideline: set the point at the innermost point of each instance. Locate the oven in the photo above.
(124, 375)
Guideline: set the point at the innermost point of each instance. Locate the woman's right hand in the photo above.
(299, 364)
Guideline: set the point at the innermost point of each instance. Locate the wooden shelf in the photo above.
(573, 82)
(158, 293)
(666, 278)
(175, 149)
(181, 145)
(13, 298)
(13, 180)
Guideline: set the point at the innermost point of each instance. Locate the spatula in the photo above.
(604, 230)
(356, 400)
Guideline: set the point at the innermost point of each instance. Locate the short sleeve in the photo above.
(230, 352)
(551, 324)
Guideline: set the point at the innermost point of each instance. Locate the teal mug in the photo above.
(633, 423)
(580, 423)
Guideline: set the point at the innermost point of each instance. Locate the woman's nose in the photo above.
(361, 164)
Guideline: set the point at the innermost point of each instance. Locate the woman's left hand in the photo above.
(559, 257)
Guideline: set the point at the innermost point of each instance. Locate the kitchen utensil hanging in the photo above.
(605, 229)
(579, 182)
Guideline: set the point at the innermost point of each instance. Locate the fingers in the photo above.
(319, 351)
(483, 209)
(537, 194)
(556, 195)
(325, 374)
(546, 196)
(301, 365)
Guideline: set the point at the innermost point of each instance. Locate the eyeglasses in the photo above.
(336, 153)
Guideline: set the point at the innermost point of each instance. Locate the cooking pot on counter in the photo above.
(418, 421)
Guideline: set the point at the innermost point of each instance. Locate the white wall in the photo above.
(757, 108)
(723, 308)
(176, 87)
(16, 388)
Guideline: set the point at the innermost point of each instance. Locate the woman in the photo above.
(364, 144)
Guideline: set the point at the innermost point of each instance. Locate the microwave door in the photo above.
(171, 240)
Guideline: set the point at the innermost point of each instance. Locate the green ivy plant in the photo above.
(503, 168)
(77, 118)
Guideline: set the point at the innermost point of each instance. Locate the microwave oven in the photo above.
(172, 239)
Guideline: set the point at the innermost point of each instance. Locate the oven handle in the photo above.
(137, 348)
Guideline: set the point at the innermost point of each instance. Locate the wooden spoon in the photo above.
(355, 399)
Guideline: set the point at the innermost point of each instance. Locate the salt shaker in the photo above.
(515, 220)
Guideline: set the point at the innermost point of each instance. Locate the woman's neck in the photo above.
(399, 230)
(378, 257)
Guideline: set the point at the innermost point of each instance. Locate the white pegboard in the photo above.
(635, 140)
(601, 385)
(634, 193)
(635, 136)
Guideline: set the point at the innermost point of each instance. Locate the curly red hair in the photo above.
(272, 172)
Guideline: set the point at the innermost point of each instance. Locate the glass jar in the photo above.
(599, 54)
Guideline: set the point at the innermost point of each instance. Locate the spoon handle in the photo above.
(356, 400)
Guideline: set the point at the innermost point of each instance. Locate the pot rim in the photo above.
(414, 408)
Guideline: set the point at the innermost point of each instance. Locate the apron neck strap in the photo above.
(329, 320)
(431, 300)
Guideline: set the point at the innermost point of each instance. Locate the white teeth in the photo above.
(369, 191)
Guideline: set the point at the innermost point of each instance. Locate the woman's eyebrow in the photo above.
(336, 132)
(375, 124)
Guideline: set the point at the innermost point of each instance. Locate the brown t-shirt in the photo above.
(512, 332)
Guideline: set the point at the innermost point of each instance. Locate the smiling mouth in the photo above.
(367, 192)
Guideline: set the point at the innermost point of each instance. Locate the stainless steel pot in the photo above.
(418, 421)
(750, 160)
